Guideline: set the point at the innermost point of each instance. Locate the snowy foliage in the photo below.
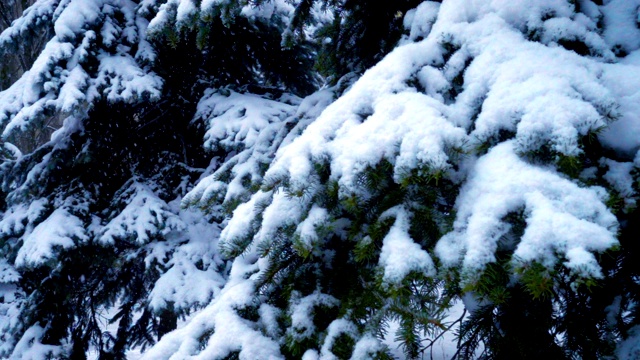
(470, 152)
(77, 66)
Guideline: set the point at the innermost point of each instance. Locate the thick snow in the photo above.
(61, 229)
(621, 23)
(14, 219)
(195, 275)
(400, 254)
(233, 333)
(487, 74)
(30, 346)
(251, 128)
(620, 177)
(562, 218)
(144, 215)
(473, 91)
(59, 79)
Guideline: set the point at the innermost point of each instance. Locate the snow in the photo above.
(144, 216)
(284, 210)
(408, 111)
(10, 309)
(251, 128)
(30, 346)
(71, 93)
(8, 273)
(76, 15)
(336, 328)
(195, 275)
(16, 217)
(420, 20)
(307, 229)
(562, 218)
(241, 224)
(268, 10)
(59, 79)
(474, 90)
(620, 178)
(301, 313)
(40, 10)
(60, 229)
(623, 134)
(186, 10)
(238, 335)
(366, 347)
(620, 20)
(629, 349)
(400, 255)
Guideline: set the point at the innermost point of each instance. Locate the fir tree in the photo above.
(368, 171)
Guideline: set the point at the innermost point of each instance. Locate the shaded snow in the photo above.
(60, 229)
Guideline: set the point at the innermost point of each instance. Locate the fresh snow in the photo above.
(60, 229)
(473, 93)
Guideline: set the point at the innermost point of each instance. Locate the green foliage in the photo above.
(242, 52)
(360, 35)
(537, 280)
(343, 346)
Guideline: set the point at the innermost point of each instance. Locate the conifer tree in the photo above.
(374, 178)
(456, 169)
(92, 218)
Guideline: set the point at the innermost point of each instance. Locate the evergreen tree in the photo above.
(92, 217)
(368, 170)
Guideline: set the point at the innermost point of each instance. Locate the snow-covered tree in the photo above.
(368, 168)
(91, 219)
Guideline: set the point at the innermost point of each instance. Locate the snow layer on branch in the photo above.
(60, 229)
(623, 135)
(10, 311)
(74, 19)
(307, 230)
(30, 346)
(236, 120)
(11, 302)
(420, 20)
(242, 224)
(620, 177)
(301, 312)
(232, 332)
(513, 77)
(400, 254)
(253, 126)
(366, 347)
(183, 13)
(16, 219)
(409, 110)
(8, 273)
(63, 78)
(37, 14)
(144, 216)
(195, 274)
(562, 218)
(380, 117)
(621, 18)
(336, 328)
(268, 10)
